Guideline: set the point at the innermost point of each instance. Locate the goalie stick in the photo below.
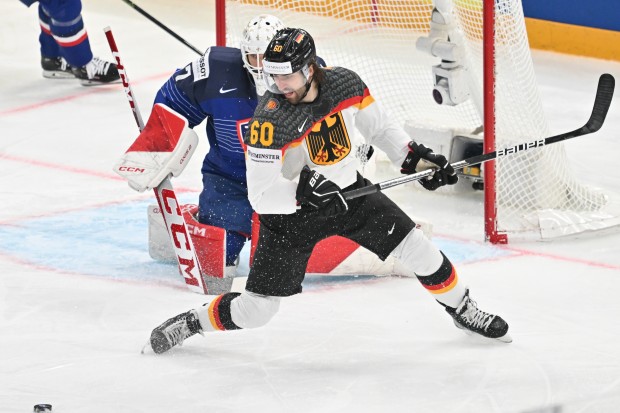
(604, 94)
(161, 25)
(166, 198)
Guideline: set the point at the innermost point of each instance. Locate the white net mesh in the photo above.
(536, 192)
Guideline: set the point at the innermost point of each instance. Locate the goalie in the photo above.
(222, 87)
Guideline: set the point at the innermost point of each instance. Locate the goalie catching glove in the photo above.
(321, 193)
(163, 148)
(421, 158)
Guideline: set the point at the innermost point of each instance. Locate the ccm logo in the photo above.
(131, 169)
(185, 154)
(195, 230)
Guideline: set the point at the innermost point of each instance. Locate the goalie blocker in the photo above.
(163, 148)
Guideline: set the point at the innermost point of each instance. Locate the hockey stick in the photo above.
(161, 25)
(604, 94)
(169, 206)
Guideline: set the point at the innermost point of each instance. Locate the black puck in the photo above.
(42, 408)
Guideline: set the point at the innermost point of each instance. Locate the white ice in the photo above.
(79, 294)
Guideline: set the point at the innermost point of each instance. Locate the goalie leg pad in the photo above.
(209, 244)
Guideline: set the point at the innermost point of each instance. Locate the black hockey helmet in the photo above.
(289, 51)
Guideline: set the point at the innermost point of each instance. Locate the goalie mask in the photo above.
(256, 36)
(290, 51)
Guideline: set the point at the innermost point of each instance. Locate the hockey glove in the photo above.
(321, 193)
(420, 158)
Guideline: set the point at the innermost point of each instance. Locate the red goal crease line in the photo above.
(520, 252)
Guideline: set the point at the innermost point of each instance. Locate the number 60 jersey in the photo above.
(282, 138)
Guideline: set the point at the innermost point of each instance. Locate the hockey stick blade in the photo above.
(602, 102)
(604, 94)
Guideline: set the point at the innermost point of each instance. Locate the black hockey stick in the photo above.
(163, 26)
(604, 94)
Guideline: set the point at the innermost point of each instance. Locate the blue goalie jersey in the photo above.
(225, 96)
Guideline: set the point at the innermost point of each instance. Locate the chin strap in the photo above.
(308, 84)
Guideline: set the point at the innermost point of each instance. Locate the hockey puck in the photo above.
(42, 408)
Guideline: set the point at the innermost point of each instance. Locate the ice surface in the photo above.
(79, 294)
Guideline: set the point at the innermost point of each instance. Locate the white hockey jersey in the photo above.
(282, 138)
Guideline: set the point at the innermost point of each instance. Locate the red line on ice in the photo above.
(87, 92)
(519, 252)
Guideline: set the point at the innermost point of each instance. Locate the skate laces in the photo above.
(177, 332)
(97, 67)
(473, 316)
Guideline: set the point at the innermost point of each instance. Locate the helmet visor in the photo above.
(280, 78)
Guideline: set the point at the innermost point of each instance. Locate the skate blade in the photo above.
(147, 348)
(57, 75)
(506, 338)
(89, 82)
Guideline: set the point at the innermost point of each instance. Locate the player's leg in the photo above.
(380, 226)
(68, 30)
(280, 260)
(53, 64)
(230, 311)
(437, 274)
(224, 203)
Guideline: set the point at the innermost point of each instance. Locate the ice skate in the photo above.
(56, 68)
(468, 317)
(174, 331)
(97, 72)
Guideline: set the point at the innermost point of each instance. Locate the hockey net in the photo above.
(536, 194)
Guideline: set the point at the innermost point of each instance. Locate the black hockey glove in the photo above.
(321, 193)
(443, 175)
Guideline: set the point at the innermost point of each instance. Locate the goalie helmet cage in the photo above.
(528, 195)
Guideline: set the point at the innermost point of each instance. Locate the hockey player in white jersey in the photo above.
(299, 163)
